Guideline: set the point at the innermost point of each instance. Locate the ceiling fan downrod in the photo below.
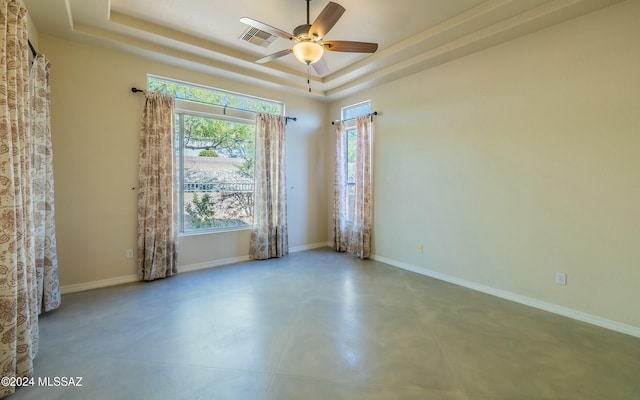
(308, 63)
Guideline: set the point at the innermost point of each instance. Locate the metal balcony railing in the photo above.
(223, 187)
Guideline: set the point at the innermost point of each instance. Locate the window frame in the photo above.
(350, 125)
(180, 113)
(207, 110)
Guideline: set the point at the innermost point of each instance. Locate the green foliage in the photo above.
(227, 137)
(217, 137)
(213, 96)
(201, 211)
(246, 168)
(208, 153)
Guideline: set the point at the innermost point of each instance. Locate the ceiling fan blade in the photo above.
(351, 47)
(320, 66)
(273, 56)
(267, 28)
(326, 20)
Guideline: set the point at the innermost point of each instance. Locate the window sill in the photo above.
(214, 231)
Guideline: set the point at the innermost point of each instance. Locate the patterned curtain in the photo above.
(354, 238)
(269, 237)
(18, 285)
(339, 225)
(157, 197)
(44, 221)
(360, 239)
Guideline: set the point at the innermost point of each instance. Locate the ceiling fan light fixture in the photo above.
(308, 52)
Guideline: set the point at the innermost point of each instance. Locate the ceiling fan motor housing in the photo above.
(302, 31)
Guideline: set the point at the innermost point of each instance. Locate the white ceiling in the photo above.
(205, 34)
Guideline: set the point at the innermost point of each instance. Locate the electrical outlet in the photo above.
(561, 279)
(129, 253)
(420, 248)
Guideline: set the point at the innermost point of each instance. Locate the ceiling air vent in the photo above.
(258, 37)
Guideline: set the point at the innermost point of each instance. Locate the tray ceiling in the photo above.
(205, 35)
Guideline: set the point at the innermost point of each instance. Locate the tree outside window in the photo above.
(215, 142)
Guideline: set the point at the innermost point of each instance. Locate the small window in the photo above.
(215, 145)
(349, 115)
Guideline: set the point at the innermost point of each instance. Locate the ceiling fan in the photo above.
(309, 44)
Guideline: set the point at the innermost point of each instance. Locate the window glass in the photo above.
(217, 97)
(356, 110)
(215, 154)
(348, 115)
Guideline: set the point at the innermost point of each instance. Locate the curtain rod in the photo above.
(33, 50)
(287, 119)
(351, 119)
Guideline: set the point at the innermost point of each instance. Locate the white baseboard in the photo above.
(212, 264)
(554, 308)
(234, 260)
(81, 287)
(308, 247)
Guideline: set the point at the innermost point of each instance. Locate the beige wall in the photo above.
(520, 161)
(509, 165)
(95, 127)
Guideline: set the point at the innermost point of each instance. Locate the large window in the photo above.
(215, 136)
(349, 115)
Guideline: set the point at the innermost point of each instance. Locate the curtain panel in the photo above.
(18, 284)
(269, 237)
(360, 240)
(354, 236)
(44, 217)
(339, 229)
(157, 197)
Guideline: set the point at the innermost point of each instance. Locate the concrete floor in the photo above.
(322, 325)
